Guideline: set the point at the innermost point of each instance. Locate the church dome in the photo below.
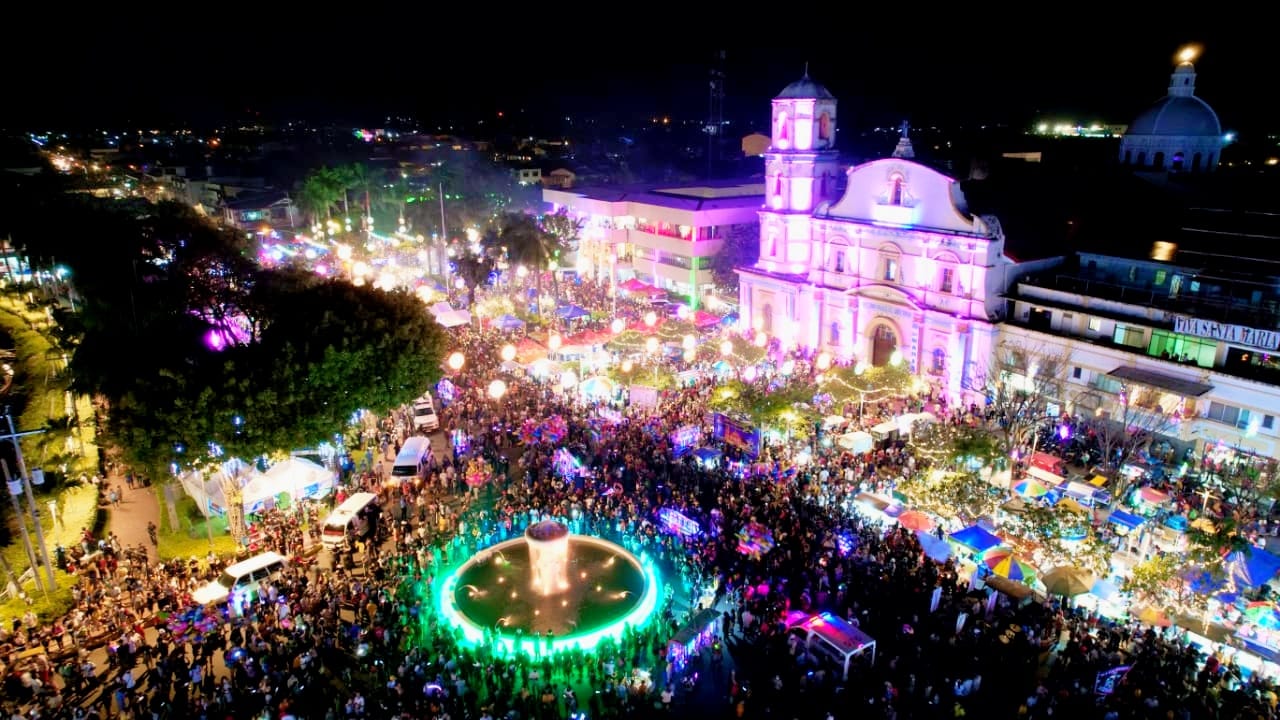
(804, 88)
(1187, 116)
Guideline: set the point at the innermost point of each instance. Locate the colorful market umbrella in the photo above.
(915, 520)
(1030, 488)
(1263, 614)
(1152, 616)
(1001, 561)
(1068, 581)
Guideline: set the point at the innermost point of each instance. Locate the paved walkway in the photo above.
(128, 520)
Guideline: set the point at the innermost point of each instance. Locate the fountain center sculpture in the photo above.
(548, 557)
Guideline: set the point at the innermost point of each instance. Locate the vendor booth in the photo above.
(856, 442)
(829, 635)
(975, 539)
(694, 635)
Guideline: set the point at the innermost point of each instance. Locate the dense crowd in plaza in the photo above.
(363, 640)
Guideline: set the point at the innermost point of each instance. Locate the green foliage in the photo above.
(962, 495)
(327, 350)
(1154, 581)
(192, 539)
(741, 248)
(786, 407)
(855, 383)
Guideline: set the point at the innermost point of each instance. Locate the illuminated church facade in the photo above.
(896, 269)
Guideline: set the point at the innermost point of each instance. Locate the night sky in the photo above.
(880, 77)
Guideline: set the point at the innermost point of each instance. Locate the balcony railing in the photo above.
(1260, 312)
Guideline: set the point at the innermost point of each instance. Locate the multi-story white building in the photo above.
(1198, 337)
(896, 267)
(665, 236)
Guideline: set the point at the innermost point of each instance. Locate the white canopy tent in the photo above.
(297, 478)
(454, 318)
(857, 442)
(206, 488)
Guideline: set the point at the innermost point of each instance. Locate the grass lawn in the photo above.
(77, 509)
(40, 378)
(192, 539)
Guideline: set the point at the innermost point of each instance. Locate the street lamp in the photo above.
(497, 389)
(508, 352)
(650, 319)
(554, 342)
(456, 361)
(617, 326)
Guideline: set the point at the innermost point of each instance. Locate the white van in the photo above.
(335, 528)
(412, 461)
(240, 582)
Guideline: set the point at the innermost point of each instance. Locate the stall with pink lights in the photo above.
(829, 635)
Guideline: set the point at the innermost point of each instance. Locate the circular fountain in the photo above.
(549, 589)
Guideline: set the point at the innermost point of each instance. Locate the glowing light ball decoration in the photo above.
(726, 348)
(651, 345)
(568, 379)
(554, 342)
(688, 342)
(497, 389)
(761, 340)
(650, 318)
(627, 366)
(749, 374)
(689, 356)
(508, 352)
(547, 591)
(823, 361)
(456, 361)
(617, 326)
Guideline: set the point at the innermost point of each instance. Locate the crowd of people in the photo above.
(361, 637)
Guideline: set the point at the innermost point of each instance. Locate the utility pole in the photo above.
(31, 498)
(22, 526)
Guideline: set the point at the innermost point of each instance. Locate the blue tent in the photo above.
(976, 538)
(1253, 567)
(1128, 520)
(571, 312)
(508, 322)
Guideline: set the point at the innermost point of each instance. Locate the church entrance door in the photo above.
(883, 343)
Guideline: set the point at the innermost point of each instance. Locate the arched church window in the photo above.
(1128, 157)
(822, 187)
(834, 333)
(1195, 163)
(784, 130)
(773, 245)
(1157, 161)
(1142, 159)
(895, 190)
(1176, 163)
(824, 126)
(777, 187)
(766, 318)
(1208, 162)
(939, 362)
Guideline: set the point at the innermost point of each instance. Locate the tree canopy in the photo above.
(196, 348)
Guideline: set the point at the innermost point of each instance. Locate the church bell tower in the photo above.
(801, 171)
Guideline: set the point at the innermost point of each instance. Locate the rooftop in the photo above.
(704, 196)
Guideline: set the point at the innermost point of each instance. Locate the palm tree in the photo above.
(320, 190)
(357, 177)
(529, 245)
(474, 270)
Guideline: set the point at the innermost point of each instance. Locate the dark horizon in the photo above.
(937, 82)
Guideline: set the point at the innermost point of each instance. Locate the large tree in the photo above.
(1132, 422)
(529, 245)
(1020, 383)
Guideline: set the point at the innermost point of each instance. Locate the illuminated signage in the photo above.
(1234, 334)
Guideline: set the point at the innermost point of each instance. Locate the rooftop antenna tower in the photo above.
(715, 112)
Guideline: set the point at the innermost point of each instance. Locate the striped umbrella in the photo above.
(1001, 561)
(1030, 488)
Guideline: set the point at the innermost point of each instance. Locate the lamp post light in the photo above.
(497, 389)
(651, 348)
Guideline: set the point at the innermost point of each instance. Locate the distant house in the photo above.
(559, 178)
(755, 145)
(250, 209)
(528, 175)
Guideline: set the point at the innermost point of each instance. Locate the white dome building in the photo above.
(1180, 133)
